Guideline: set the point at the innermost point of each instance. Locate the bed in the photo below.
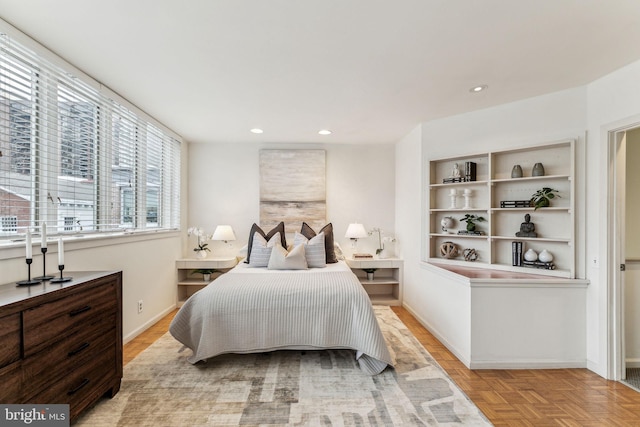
(250, 310)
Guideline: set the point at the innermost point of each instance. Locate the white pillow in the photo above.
(314, 249)
(338, 251)
(261, 249)
(282, 260)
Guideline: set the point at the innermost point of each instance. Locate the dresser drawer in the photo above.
(47, 323)
(85, 379)
(11, 383)
(10, 334)
(64, 357)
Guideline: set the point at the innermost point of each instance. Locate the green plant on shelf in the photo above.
(471, 221)
(542, 198)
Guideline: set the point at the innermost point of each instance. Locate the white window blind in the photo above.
(73, 157)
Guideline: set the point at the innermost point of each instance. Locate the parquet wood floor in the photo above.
(514, 398)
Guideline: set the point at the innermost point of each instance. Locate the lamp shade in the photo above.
(223, 232)
(356, 231)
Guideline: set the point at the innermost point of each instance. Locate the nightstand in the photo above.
(386, 286)
(189, 283)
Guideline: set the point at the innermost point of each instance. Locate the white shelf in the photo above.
(188, 283)
(386, 286)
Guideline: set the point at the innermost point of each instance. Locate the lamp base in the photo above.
(28, 282)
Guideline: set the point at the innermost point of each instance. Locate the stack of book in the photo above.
(362, 256)
(539, 264)
(450, 180)
(469, 171)
(471, 233)
(516, 253)
(515, 203)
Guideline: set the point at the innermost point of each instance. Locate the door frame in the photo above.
(615, 220)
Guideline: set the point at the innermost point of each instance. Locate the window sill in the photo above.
(10, 249)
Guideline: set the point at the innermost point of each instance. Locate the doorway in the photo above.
(624, 259)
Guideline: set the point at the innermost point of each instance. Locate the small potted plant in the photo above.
(542, 197)
(369, 272)
(471, 221)
(206, 273)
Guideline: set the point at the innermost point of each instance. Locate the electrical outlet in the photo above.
(140, 306)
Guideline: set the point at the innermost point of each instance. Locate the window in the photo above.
(76, 158)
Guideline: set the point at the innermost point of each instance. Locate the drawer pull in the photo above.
(79, 310)
(82, 347)
(77, 389)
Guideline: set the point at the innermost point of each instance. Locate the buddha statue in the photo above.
(527, 228)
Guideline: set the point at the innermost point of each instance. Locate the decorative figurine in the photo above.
(455, 173)
(527, 228)
(470, 254)
(447, 224)
(449, 250)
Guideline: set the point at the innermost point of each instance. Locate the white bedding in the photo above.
(250, 310)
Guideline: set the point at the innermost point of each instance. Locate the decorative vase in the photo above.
(538, 170)
(201, 254)
(369, 276)
(516, 172)
(385, 253)
(545, 256)
(206, 277)
(531, 255)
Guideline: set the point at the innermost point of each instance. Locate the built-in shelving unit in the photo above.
(190, 282)
(554, 225)
(385, 287)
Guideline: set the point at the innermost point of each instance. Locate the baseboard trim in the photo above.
(528, 364)
(148, 324)
(632, 363)
(435, 333)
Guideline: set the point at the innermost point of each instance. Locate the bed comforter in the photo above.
(249, 310)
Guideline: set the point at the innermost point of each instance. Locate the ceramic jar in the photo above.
(545, 256)
(516, 172)
(538, 170)
(531, 255)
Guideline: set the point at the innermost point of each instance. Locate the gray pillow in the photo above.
(261, 249)
(313, 248)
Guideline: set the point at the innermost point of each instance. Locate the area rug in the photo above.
(299, 388)
(633, 378)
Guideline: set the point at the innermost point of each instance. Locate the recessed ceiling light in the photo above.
(256, 130)
(325, 132)
(478, 88)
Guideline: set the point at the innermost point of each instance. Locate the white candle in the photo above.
(60, 252)
(29, 255)
(43, 244)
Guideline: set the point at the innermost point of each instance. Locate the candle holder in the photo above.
(44, 276)
(60, 279)
(29, 281)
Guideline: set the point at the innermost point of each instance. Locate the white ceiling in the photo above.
(369, 70)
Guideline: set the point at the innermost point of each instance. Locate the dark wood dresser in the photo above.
(62, 343)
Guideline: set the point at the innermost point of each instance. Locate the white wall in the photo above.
(225, 189)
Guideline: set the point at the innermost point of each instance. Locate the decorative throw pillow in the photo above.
(338, 250)
(280, 259)
(261, 249)
(308, 232)
(256, 229)
(314, 249)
